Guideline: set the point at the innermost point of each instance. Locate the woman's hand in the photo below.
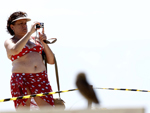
(33, 28)
(42, 36)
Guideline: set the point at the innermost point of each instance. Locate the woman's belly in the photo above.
(29, 63)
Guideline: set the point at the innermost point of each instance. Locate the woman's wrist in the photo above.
(29, 33)
(44, 44)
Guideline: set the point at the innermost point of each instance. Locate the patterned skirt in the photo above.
(35, 82)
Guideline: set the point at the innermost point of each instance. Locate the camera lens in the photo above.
(38, 26)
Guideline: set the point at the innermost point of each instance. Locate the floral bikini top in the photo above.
(37, 48)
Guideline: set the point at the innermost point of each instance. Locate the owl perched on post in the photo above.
(85, 89)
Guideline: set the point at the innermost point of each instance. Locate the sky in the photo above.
(106, 39)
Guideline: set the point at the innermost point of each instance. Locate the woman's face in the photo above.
(20, 27)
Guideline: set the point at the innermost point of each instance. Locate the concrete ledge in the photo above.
(130, 110)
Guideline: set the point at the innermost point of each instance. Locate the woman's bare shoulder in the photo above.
(8, 41)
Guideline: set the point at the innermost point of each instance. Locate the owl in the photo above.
(85, 89)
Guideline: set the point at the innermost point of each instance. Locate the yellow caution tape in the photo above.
(49, 93)
(35, 95)
(124, 89)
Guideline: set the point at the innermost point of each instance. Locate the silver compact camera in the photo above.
(40, 26)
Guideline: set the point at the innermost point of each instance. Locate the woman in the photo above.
(29, 74)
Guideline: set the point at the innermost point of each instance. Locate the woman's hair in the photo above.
(12, 17)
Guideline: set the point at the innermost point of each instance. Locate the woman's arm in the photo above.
(47, 50)
(15, 48)
(49, 54)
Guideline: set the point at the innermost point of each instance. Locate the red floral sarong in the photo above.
(36, 82)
